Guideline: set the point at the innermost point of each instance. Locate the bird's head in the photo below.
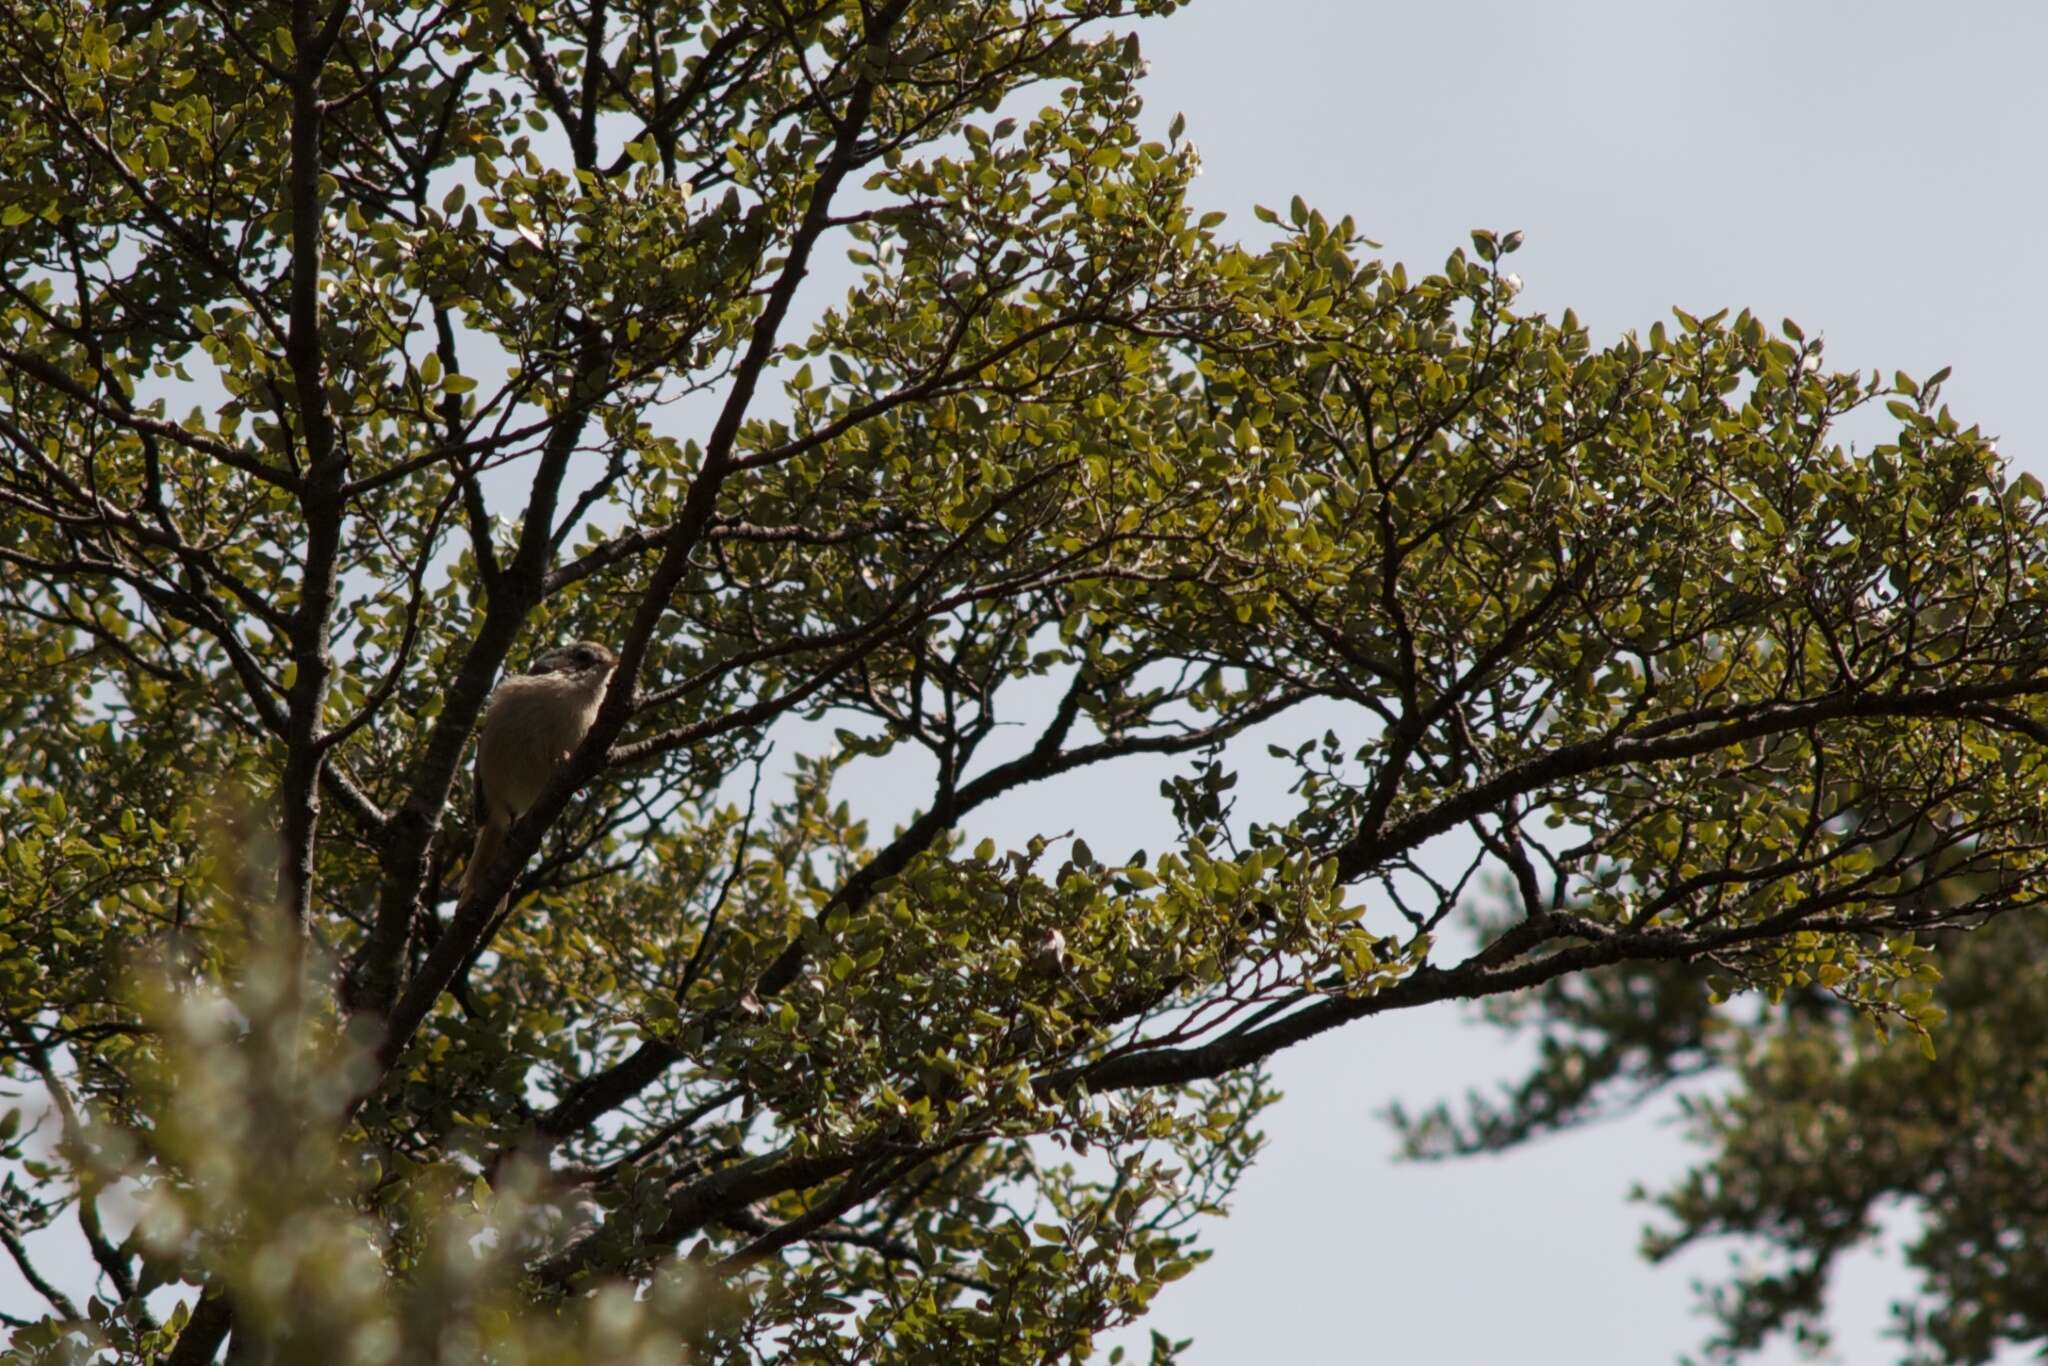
(585, 657)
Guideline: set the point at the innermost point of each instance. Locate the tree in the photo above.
(355, 355)
(1828, 1125)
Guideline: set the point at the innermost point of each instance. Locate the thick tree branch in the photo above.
(605, 1091)
(1500, 968)
(1369, 848)
(204, 1332)
(471, 918)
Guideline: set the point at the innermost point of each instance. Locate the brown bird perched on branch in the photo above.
(534, 722)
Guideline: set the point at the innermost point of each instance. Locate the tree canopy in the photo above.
(352, 354)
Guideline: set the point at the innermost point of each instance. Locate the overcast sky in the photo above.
(1872, 170)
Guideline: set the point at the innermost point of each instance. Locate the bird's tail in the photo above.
(490, 842)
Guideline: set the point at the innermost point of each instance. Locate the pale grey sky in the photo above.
(1873, 170)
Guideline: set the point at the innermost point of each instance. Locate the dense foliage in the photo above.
(351, 354)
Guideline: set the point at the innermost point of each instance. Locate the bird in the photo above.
(533, 724)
